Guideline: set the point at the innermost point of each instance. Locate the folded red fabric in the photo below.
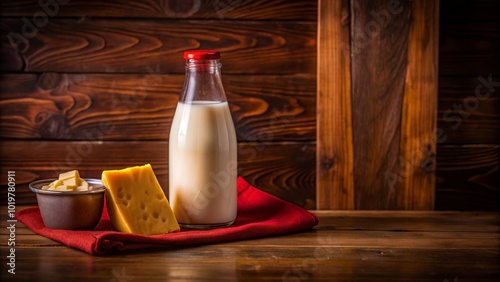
(259, 215)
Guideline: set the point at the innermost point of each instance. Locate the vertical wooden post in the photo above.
(419, 119)
(334, 153)
(379, 40)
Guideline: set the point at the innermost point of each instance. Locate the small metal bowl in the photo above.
(71, 210)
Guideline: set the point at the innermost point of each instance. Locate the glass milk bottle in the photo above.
(202, 148)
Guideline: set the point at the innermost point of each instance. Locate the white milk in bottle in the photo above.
(203, 148)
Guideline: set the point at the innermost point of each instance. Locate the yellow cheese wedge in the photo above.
(136, 203)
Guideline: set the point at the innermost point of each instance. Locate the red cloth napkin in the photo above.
(259, 215)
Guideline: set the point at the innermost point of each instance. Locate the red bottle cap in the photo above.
(202, 55)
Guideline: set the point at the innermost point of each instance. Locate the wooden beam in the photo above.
(66, 106)
(268, 165)
(419, 119)
(379, 40)
(334, 153)
(143, 46)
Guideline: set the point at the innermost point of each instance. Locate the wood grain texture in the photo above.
(286, 170)
(377, 239)
(283, 169)
(379, 42)
(418, 123)
(408, 221)
(469, 110)
(99, 107)
(468, 177)
(469, 10)
(469, 48)
(264, 262)
(100, 45)
(272, 41)
(345, 246)
(172, 9)
(334, 166)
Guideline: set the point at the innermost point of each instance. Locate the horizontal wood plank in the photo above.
(468, 177)
(469, 10)
(99, 45)
(375, 239)
(232, 250)
(469, 110)
(140, 107)
(265, 262)
(170, 9)
(409, 221)
(469, 48)
(283, 169)
(360, 220)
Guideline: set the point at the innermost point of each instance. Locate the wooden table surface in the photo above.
(345, 246)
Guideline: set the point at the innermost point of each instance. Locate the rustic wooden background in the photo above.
(377, 101)
(468, 159)
(96, 88)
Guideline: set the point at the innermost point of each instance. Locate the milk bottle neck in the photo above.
(202, 82)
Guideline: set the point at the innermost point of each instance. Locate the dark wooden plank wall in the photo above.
(96, 88)
(468, 152)
(92, 58)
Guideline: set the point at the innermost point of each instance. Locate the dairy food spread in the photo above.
(136, 203)
(68, 181)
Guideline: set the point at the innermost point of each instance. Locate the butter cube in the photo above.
(68, 181)
(69, 174)
(84, 186)
(63, 188)
(72, 182)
